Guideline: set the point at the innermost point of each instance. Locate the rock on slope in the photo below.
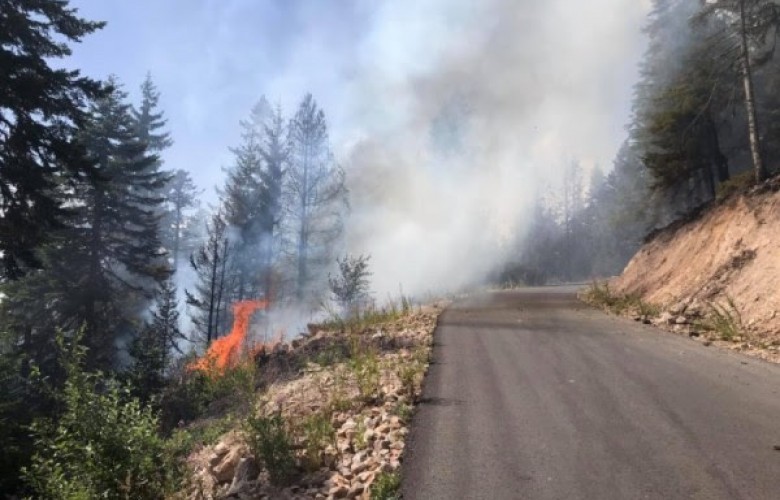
(729, 252)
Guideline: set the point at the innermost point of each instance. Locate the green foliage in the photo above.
(318, 433)
(183, 441)
(409, 373)
(737, 184)
(404, 411)
(42, 108)
(350, 286)
(104, 445)
(386, 486)
(364, 365)
(725, 320)
(599, 294)
(271, 443)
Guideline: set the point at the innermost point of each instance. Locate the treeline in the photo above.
(705, 122)
(277, 229)
(96, 232)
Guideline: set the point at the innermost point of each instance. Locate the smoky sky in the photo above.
(449, 116)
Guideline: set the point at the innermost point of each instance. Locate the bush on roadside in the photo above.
(104, 445)
(386, 486)
(271, 443)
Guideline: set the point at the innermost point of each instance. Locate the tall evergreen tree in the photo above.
(245, 207)
(316, 198)
(182, 194)
(151, 349)
(748, 39)
(41, 108)
(116, 248)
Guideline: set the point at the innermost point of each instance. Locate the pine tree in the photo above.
(748, 40)
(115, 247)
(152, 347)
(149, 121)
(316, 198)
(244, 205)
(208, 297)
(275, 150)
(41, 108)
(679, 105)
(182, 194)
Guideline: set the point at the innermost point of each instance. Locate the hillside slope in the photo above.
(729, 252)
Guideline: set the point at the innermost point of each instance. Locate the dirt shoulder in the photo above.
(713, 277)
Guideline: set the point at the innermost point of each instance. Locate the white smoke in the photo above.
(457, 113)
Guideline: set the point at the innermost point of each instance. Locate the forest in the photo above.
(97, 231)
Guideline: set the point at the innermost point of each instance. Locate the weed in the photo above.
(386, 486)
(404, 412)
(365, 368)
(318, 433)
(270, 442)
(600, 295)
(725, 320)
(408, 375)
(360, 435)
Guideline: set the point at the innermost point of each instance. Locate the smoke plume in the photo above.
(458, 114)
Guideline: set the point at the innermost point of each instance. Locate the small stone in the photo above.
(706, 343)
(339, 491)
(369, 435)
(681, 320)
(225, 470)
(356, 490)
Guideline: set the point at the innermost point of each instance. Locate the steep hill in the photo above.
(726, 257)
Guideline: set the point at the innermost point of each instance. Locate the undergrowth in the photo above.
(725, 320)
(600, 295)
(271, 442)
(386, 486)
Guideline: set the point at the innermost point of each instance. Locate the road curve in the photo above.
(532, 395)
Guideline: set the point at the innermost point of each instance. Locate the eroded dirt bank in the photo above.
(726, 259)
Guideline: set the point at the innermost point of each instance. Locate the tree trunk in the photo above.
(750, 105)
(176, 237)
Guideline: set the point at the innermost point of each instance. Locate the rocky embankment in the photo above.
(345, 417)
(715, 276)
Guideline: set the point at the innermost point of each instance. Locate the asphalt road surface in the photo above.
(532, 395)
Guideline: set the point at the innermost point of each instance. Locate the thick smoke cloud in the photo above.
(460, 113)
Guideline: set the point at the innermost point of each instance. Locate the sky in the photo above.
(449, 116)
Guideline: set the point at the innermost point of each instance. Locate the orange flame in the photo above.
(224, 351)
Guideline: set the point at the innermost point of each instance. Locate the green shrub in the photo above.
(737, 184)
(408, 373)
(386, 486)
(366, 370)
(405, 412)
(600, 295)
(270, 442)
(318, 433)
(104, 445)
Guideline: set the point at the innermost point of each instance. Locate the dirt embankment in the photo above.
(728, 256)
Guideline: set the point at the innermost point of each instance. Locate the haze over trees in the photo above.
(705, 121)
(99, 236)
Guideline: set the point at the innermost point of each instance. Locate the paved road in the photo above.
(534, 396)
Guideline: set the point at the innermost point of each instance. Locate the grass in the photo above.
(366, 371)
(371, 316)
(725, 320)
(386, 486)
(600, 295)
(271, 442)
(737, 184)
(318, 433)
